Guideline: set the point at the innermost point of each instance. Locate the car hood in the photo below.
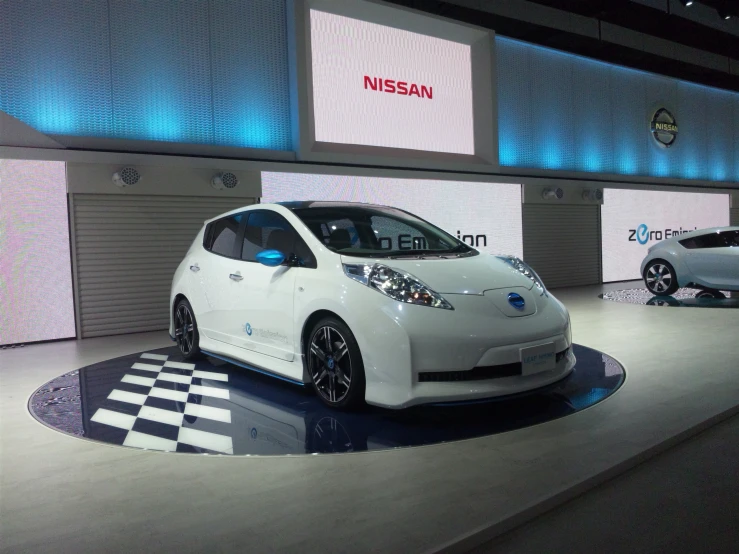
(465, 275)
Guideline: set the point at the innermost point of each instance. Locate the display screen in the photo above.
(380, 86)
(635, 220)
(486, 216)
(35, 265)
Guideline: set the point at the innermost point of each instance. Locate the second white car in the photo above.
(707, 259)
(366, 303)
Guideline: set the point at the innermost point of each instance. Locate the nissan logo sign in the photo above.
(664, 127)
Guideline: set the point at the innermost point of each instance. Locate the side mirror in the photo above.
(271, 258)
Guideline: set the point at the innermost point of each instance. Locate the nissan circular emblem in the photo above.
(664, 127)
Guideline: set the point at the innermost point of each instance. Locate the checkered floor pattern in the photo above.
(158, 398)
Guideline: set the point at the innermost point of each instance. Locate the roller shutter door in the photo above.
(126, 251)
(734, 216)
(562, 243)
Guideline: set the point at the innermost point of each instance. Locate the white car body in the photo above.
(704, 259)
(398, 341)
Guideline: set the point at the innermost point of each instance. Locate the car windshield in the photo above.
(377, 231)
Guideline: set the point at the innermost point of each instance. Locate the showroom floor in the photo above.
(69, 494)
(691, 506)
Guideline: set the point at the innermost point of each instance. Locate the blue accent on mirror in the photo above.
(517, 301)
(271, 258)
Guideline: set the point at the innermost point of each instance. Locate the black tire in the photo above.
(186, 330)
(333, 360)
(663, 301)
(717, 294)
(660, 278)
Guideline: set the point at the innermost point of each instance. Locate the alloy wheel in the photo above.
(184, 329)
(659, 278)
(330, 364)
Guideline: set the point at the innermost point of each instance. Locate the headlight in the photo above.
(568, 330)
(398, 285)
(525, 270)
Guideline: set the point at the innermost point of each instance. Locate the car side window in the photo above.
(731, 238)
(710, 240)
(267, 230)
(220, 236)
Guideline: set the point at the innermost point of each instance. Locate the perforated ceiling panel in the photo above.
(566, 112)
(54, 65)
(250, 73)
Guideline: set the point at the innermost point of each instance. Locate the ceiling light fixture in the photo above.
(724, 13)
(686, 3)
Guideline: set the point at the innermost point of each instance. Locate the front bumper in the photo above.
(400, 342)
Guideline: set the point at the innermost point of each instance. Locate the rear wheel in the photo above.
(711, 294)
(186, 330)
(660, 278)
(335, 364)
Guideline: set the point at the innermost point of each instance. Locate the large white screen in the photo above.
(484, 215)
(35, 265)
(434, 115)
(635, 220)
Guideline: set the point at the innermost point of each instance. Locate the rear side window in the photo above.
(266, 230)
(712, 240)
(220, 236)
(731, 238)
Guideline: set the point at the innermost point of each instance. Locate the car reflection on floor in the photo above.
(156, 401)
(683, 298)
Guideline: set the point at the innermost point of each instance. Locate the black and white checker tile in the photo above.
(154, 401)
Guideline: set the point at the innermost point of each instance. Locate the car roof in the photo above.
(300, 204)
(699, 232)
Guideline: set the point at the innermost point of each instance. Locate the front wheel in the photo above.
(660, 278)
(186, 330)
(335, 364)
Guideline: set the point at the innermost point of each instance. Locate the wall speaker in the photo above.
(126, 177)
(224, 181)
(592, 195)
(553, 194)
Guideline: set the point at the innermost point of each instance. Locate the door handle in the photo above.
(195, 267)
(235, 277)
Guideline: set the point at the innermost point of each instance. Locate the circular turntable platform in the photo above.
(156, 401)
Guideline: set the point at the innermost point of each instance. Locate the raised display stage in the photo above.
(156, 401)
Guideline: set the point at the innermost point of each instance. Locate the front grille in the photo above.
(482, 373)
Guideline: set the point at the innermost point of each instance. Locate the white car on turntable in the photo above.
(707, 259)
(366, 303)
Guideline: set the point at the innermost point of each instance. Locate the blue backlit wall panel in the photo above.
(54, 65)
(566, 112)
(735, 106)
(161, 71)
(193, 71)
(250, 93)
